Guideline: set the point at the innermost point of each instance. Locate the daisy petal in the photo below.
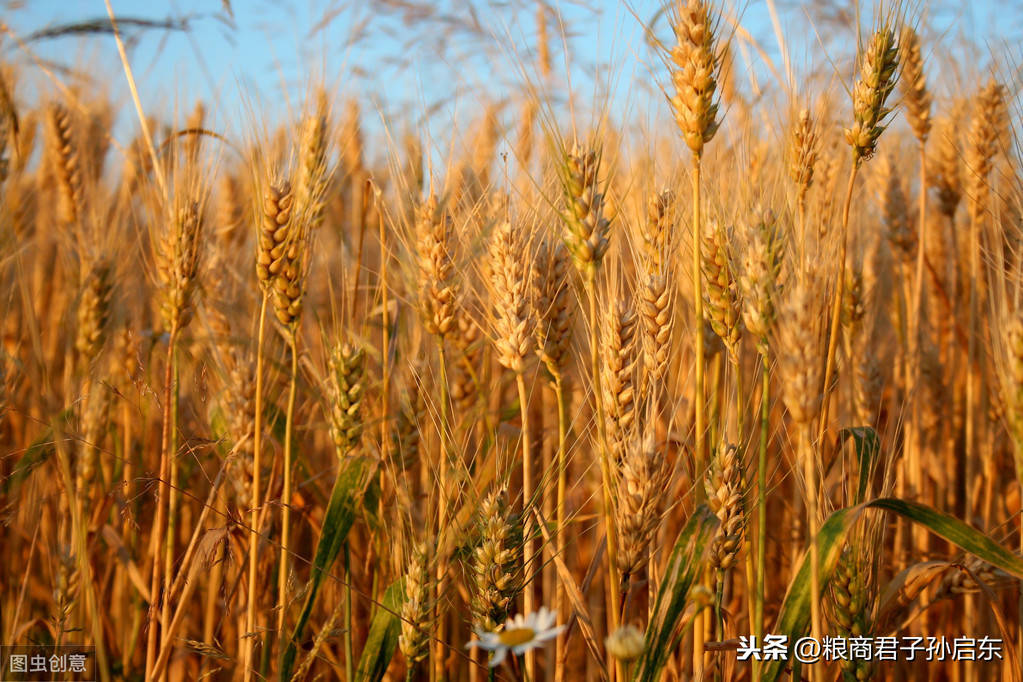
(498, 657)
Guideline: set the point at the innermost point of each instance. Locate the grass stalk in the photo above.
(79, 539)
(172, 504)
(349, 656)
(289, 421)
(437, 649)
(163, 495)
(250, 606)
(560, 600)
(605, 467)
(806, 456)
(761, 546)
(527, 496)
(699, 426)
(836, 308)
(916, 339)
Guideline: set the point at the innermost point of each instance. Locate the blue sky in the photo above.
(402, 63)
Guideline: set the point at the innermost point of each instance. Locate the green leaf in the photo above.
(959, 533)
(371, 500)
(794, 618)
(382, 640)
(867, 446)
(683, 570)
(37, 454)
(336, 523)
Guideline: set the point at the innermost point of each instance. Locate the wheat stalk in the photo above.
(695, 65)
(879, 73)
(759, 281)
(438, 303)
(275, 213)
(178, 257)
(514, 329)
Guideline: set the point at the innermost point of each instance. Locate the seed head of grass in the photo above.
(406, 437)
(288, 286)
(414, 640)
(722, 305)
(345, 385)
(914, 84)
(798, 343)
(311, 179)
(695, 66)
(94, 311)
(496, 564)
(877, 79)
(725, 487)
(641, 480)
(655, 292)
(64, 155)
(804, 142)
(510, 276)
(465, 382)
(587, 229)
(273, 230)
(853, 608)
(895, 210)
(239, 414)
(868, 381)
(983, 144)
(439, 291)
(618, 370)
(759, 277)
(94, 427)
(179, 256)
(854, 305)
(657, 231)
(945, 173)
(555, 309)
(1007, 351)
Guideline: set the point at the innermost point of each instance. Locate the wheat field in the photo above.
(560, 394)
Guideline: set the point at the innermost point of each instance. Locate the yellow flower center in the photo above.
(517, 636)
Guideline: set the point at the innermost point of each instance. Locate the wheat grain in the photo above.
(65, 160)
(722, 305)
(726, 495)
(877, 79)
(510, 276)
(696, 66)
(439, 292)
(641, 478)
(496, 564)
(345, 387)
(618, 351)
(914, 84)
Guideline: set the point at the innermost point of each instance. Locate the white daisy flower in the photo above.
(519, 635)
